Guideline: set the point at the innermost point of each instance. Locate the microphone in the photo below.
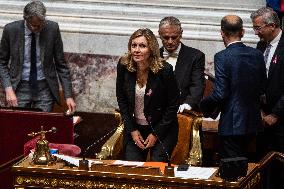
(98, 140)
(169, 169)
(149, 118)
(84, 164)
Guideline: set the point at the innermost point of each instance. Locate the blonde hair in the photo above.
(156, 63)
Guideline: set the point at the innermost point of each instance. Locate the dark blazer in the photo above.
(52, 57)
(189, 71)
(239, 82)
(160, 100)
(275, 84)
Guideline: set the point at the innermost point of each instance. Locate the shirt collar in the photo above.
(175, 52)
(233, 43)
(27, 30)
(276, 39)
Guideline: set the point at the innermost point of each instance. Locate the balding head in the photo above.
(232, 26)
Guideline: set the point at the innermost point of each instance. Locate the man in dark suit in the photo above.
(32, 59)
(266, 25)
(239, 83)
(188, 63)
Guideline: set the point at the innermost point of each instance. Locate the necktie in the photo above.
(167, 55)
(171, 58)
(33, 69)
(266, 54)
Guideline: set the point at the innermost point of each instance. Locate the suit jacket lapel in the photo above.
(22, 42)
(161, 52)
(276, 56)
(151, 86)
(131, 82)
(42, 40)
(182, 62)
(272, 64)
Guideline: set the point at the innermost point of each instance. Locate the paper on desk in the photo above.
(195, 172)
(210, 119)
(135, 163)
(73, 160)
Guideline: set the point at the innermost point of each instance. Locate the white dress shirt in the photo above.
(273, 44)
(172, 59)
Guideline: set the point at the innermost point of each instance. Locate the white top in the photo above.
(139, 105)
(273, 44)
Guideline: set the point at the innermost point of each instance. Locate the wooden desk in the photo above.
(60, 176)
(210, 131)
(15, 126)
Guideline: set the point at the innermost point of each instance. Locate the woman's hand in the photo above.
(150, 141)
(138, 139)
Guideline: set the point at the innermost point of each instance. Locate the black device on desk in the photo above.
(231, 169)
(183, 167)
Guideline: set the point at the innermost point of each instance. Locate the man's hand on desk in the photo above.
(71, 105)
(76, 120)
(11, 97)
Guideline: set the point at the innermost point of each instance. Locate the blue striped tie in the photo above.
(266, 54)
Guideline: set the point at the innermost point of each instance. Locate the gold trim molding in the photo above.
(253, 182)
(22, 181)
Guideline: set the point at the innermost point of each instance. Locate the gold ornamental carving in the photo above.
(109, 149)
(72, 183)
(54, 182)
(253, 182)
(19, 180)
(195, 154)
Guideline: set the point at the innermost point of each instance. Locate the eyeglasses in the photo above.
(258, 28)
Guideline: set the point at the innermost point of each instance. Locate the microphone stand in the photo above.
(169, 169)
(84, 163)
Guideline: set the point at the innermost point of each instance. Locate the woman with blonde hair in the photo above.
(147, 96)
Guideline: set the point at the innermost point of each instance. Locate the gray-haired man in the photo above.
(266, 26)
(32, 59)
(188, 63)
